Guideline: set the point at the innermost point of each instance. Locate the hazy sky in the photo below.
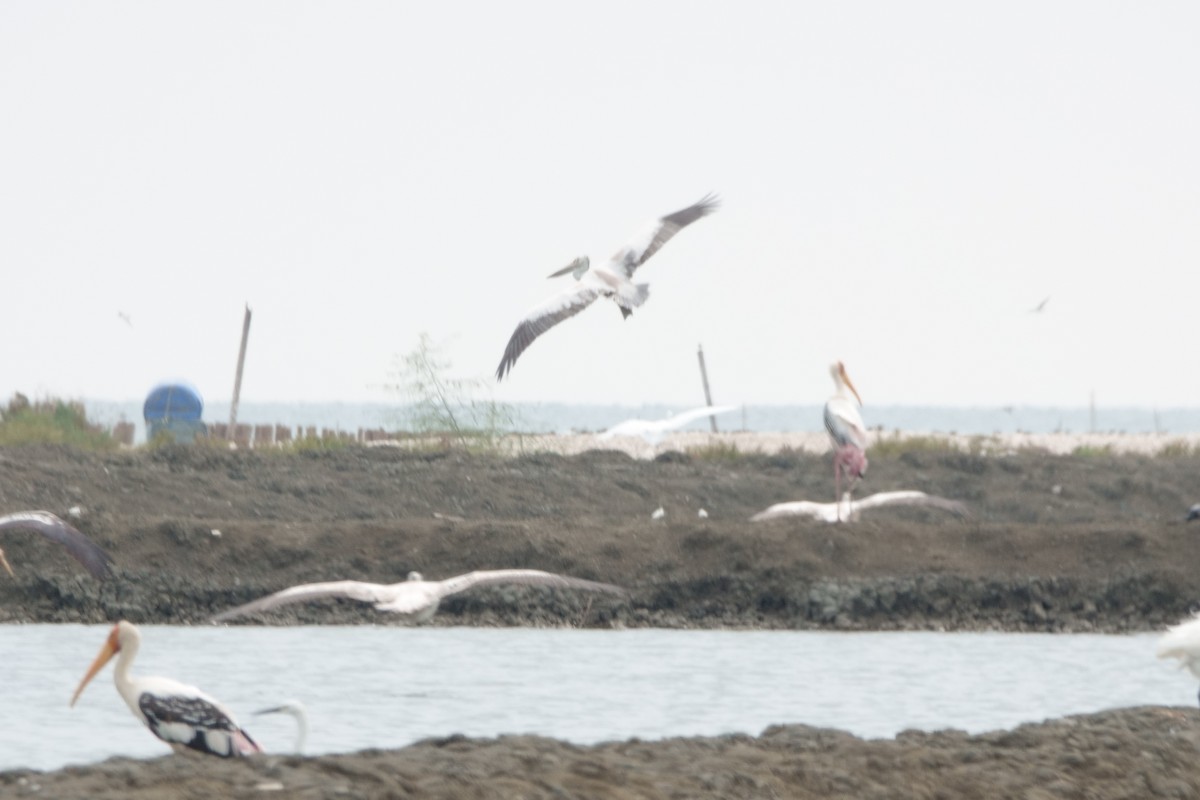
(901, 184)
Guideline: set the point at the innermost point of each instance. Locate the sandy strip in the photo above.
(818, 442)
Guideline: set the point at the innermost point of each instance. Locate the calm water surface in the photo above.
(389, 686)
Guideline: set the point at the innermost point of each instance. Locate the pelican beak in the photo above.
(578, 266)
(271, 710)
(849, 383)
(4, 563)
(110, 648)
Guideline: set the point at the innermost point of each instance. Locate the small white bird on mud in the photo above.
(1193, 513)
(415, 599)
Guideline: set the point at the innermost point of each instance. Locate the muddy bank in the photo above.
(1127, 753)
(1055, 543)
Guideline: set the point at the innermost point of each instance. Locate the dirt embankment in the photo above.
(1055, 542)
(1128, 754)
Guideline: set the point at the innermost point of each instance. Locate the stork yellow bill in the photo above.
(180, 715)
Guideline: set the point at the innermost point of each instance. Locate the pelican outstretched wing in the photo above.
(81, 548)
(638, 427)
(529, 577)
(632, 256)
(911, 498)
(353, 590)
(542, 318)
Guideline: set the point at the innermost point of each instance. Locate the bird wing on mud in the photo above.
(77, 544)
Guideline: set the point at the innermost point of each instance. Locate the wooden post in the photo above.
(237, 381)
(704, 379)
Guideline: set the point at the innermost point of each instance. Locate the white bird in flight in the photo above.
(849, 510)
(652, 431)
(415, 599)
(182, 716)
(612, 280)
(1182, 641)
(79, 546)
(846, 430)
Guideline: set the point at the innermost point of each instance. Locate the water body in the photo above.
(386, 687)
(564, 418)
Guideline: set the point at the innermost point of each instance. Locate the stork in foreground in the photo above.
(415, 599)
(79, 546)
(612, 280)
(849, 510)
(1182, 641)
(182, 716)
(296, 710)
(652, 431)
(846, 431)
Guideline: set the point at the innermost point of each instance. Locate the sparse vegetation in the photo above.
(50, 421)
(1178, 449)
(897, 445)
(455, 411)
(1093, 451)
(716, 451)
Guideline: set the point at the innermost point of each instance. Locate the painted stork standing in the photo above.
(83, 549)
(415, 599)
(850, 509)
(612, 280)
(1182, 641)
(847, 432)
(182, 716)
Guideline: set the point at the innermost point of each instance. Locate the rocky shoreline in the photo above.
(1124, 754)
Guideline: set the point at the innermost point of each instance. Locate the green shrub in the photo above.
(51, 421)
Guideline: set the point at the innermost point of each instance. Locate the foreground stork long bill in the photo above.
(415, 599)
(847, 432)
(613, 280)
(77, 545)
(182, 716)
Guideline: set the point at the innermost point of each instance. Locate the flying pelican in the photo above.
(296, 710)
(416, 599)
(612, 280)
(83, 549)
(1182, 641)
(849, 510)
(846, 430)
(652, 431)
(182, 716)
